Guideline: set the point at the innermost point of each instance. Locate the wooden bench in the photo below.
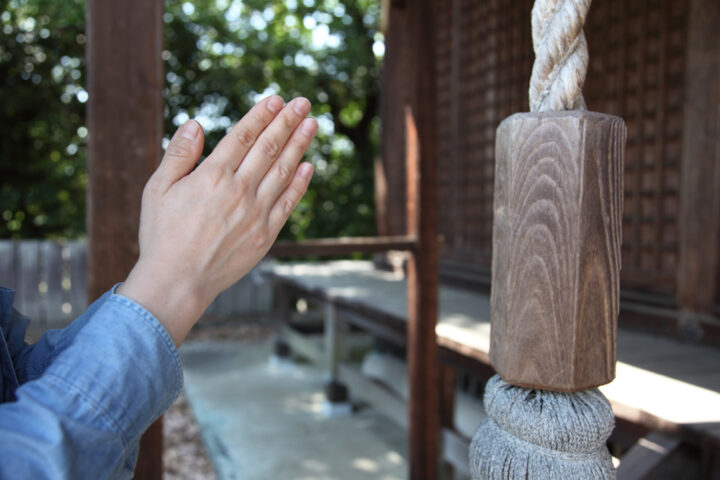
(663, 387)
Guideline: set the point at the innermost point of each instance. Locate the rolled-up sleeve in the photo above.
(82, 416)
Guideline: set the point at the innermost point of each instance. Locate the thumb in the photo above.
(182, 153)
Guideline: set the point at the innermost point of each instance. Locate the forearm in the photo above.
(83, 416)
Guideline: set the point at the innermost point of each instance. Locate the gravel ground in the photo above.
(184, 456)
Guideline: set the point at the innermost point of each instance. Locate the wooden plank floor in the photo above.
(661, 383)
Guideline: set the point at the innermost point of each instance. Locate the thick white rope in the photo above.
(561, 55)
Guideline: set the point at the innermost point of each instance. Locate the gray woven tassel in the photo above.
(537, 434)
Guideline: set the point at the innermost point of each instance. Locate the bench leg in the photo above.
(336, 393)
(281, 319)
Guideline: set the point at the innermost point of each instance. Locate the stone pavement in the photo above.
(262, 420)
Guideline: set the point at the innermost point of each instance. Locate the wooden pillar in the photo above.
(396, 81)
(420, 153)
(699, 222)
(125, 112)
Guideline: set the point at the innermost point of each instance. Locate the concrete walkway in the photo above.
(262, 421)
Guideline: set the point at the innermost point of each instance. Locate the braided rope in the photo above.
(561, 55)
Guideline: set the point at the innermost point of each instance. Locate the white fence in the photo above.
(50, 279)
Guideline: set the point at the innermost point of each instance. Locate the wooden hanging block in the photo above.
(556, 249)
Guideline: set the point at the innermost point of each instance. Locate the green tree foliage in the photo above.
(221, 57)
(42, 161)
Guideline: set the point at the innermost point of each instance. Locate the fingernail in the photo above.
(190, 130)
(306, 171)
(274, 104)
(308, 127)
(302, 106)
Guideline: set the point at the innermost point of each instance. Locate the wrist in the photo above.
(170, 298)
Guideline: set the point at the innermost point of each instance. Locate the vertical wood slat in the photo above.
(421, 172)
(125, 112)
(660, 142)
(697, 275)
(456, 173)
(637, 213)
(28, 278)
(221, 305)
(7, 264)
(76, 297)
(243, 294)
(262, 294)
(52, 278)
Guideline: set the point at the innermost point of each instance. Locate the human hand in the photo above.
(201, 230)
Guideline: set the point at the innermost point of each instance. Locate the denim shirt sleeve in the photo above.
(87, 393)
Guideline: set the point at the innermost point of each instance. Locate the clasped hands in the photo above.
(202, 229)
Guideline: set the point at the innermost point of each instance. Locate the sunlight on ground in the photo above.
(306, 403)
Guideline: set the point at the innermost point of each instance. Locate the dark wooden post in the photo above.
(699, 223)
(125, 110)
(420, 153)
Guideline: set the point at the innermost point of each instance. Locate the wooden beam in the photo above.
(309, 347)
(125, 111)
(648, 459)
(373, 393)
(421, 172)
(699, 222)
(342, 245)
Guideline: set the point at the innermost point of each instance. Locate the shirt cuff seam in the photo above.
(156, 326)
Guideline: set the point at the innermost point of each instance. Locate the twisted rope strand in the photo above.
(561, 55)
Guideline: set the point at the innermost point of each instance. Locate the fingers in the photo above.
(271, 142)
(181, 155)
(282, 171)
(290, 197)
(233, 148)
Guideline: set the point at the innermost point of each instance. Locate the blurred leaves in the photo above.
(221, 57)
(42, 159)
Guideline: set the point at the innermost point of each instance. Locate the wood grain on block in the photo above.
(556, 249)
